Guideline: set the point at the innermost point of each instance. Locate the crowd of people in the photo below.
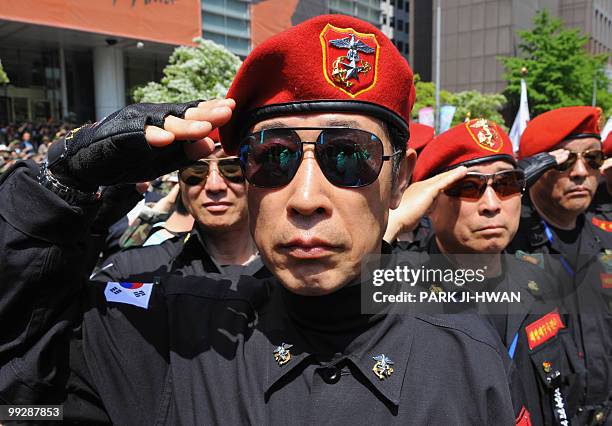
(247, 301)
(28, 140)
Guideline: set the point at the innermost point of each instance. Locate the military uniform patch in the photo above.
(533, 258)
(543, 329)
(602, 224)
(350, 59)
(137, 294)
(606, 280)
(524, 418)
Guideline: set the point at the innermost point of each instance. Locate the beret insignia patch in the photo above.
(350, 59)
(485, 134)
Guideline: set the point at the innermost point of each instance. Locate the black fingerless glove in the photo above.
(115, 150)
(535, 166)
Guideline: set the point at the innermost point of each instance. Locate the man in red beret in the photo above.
(212, 193)
(320, 123)
(601, 206)
(471, 178)
(553, 221)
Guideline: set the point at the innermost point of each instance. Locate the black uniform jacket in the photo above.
(535, 334)
(184, 255)
(587, 287)
(201, 351)
(601, 208)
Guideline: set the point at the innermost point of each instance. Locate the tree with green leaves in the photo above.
(474, 104)
(201, 72)
(3, 77)
(559, 71)
(469, 103)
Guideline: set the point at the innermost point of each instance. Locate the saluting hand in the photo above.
(417, 200)
(606, 166)
(561, 155)
(137, 143)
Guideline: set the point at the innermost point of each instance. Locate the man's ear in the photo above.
(403, 177)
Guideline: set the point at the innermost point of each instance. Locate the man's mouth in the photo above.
(217, 206)
(309, 248)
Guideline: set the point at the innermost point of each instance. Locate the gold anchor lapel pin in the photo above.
(382, 368)
(282, 355)
(533, 286)
(435, 289)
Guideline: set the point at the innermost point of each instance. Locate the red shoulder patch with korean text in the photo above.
(606, 225)
(606, 280)
(524, 418)
(543, 329)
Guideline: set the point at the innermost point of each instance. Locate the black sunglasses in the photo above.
(505, 183)
(594, 158)
(229, 168)
(349, 158)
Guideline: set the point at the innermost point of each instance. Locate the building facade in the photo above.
(228, 22)
(83, 65)
(395, 23)
(475, 32)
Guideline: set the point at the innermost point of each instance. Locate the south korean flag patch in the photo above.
(137, 294)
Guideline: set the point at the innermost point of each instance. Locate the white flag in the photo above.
(607, 129)
(522, 117)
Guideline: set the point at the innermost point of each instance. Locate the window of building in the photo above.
(406, 49)
(400, 25)
(407, 31)
(407, 8)
(400, 4)
(400, 45)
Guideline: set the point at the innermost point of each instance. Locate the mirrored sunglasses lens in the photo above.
(270, 158)
(349, 157)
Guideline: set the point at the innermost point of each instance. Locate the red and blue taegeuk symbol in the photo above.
(131, 286)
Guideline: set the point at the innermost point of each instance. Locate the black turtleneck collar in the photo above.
(334, 320)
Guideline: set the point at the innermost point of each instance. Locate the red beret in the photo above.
(553, 127)
(607, 145)
(470, 143)
(331, 63)
(420, 135)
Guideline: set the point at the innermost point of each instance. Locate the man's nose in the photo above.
(310, 188)
(580, 169)
(490, 203)
(215, 182)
